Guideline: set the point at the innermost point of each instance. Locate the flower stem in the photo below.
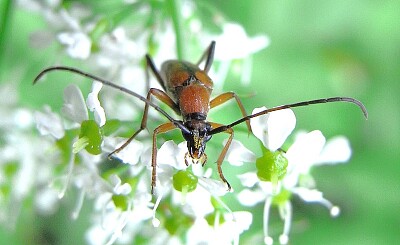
(174, 7)
(5, 19)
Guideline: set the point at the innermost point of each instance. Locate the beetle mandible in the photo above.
(187, 90)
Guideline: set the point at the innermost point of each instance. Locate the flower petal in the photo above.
(74, 107)
(49, 123)
(238, 154)
(215, 187)
(93, 104)
(249, 179)
(305, 151)
(273, 128)
(198, 203)
(172, 154)
(251, 198)
(130, 154)
(336, 150)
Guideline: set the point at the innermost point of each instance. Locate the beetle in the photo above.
(187, 91)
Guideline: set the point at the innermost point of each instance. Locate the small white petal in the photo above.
(119, 189)
(243, 220)
(250, 198)
(336, 150)
(195, 234)
(305, 151)
(115, 180)
(78, 44)
(215, 187)
(172, 154)
(198, 203)
(124, 189)
(316, 196)
(235, 224)
(94, 105)
(130, 154)
(238, 153)
(49, 123)
(309, 195)
(74, 107)
(248, 179)
(273, 128)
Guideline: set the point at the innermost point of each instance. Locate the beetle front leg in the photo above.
(163, 97)
(163, 128)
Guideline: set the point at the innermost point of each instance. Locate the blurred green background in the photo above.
(318, 49)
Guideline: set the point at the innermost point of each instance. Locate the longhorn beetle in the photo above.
(187, 90)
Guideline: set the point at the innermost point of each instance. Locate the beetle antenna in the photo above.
(299, 104)
(179, 124)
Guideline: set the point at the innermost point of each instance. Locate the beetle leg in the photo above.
(162, 96)
(222, 98)
(223, 152)
(150, 65)
(209, 56)
(159, 130)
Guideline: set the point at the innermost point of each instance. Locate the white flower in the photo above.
(170, 159)
(226, 233)
(48, 122)
(235, 44)
(78, 44)
(116, 49)
(111, 224)
(307, 151)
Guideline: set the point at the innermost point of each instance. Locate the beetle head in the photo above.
(196, 138)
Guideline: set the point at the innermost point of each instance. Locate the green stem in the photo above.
(5, 19)
(175, 12)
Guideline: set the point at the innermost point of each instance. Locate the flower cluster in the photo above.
(189, 201)
(19, 160)
(283, 174)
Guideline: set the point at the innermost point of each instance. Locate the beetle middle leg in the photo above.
(222, 98)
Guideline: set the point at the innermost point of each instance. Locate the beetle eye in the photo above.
(187, 135)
